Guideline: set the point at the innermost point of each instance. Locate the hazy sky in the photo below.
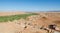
(30, 5)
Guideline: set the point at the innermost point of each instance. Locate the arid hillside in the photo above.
(36, 23)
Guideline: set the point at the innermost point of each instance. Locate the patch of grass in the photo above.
(15, 17)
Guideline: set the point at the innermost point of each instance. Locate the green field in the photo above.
(15, 17)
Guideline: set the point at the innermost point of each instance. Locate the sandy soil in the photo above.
(31, 25)
(10, 13)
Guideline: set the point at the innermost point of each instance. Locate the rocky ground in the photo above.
(32, 24)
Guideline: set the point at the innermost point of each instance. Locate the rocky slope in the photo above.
(32, 24)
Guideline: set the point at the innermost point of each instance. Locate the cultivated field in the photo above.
(15, 17)
(22, 22)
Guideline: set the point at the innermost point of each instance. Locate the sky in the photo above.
(30, 5)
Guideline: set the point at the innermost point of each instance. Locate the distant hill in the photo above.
(53, 11)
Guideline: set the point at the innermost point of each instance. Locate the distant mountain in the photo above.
(53, 11)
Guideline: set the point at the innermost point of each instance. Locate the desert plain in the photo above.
(32, 24)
